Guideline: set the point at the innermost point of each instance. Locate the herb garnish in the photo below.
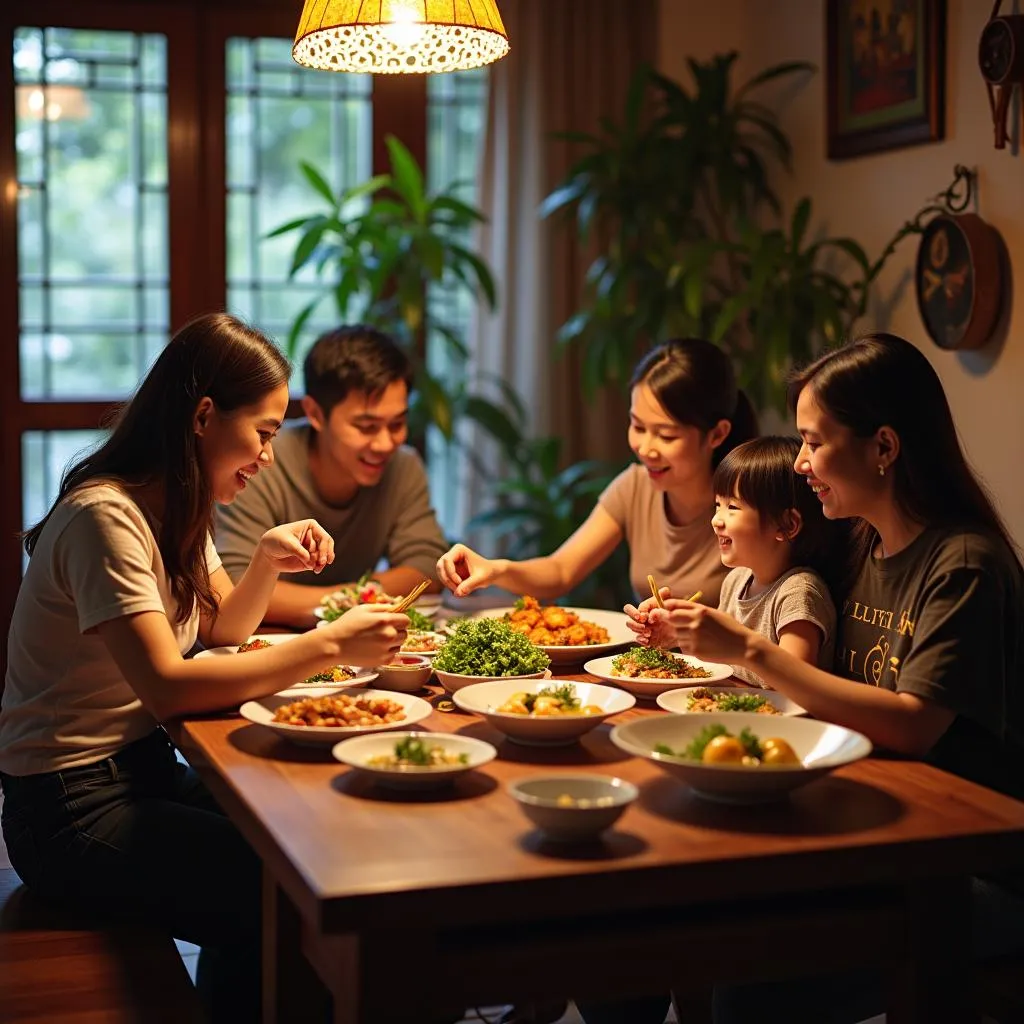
(489, 647)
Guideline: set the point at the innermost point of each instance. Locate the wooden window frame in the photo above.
(197, 32)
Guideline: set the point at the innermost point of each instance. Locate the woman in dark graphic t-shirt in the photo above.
(933, 616)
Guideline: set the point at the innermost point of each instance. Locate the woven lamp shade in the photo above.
(399, 36)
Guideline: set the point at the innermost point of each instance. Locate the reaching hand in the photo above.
(370, 634)
(297, 547)
(462, 570)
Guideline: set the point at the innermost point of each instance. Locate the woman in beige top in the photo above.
(97, 811)
(686, 412)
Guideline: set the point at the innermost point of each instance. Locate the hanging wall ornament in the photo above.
(1001, 60)
(959, 276)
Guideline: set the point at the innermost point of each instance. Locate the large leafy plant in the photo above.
(678, 199)
(379, 249)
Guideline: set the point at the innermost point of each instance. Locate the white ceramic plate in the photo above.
(544, 730)
(819, 745)
(615, 622)
(261, 712)
(271, 638)
(649, 687)
(357, 751)
(361, 678)
(427, 605)
(676, 701)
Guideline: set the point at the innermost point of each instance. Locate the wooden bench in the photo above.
(61, 969)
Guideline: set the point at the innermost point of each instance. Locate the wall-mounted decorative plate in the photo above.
(959, 280)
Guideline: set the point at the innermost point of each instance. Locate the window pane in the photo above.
(456, 119)
(44, 457)
(278, 115)
(91, 130)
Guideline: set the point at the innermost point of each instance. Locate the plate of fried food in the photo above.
(316, 717)
(648, 671)
(565, 635)
(331, 675)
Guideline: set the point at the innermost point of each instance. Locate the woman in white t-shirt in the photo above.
(123, 579)
(686, 413)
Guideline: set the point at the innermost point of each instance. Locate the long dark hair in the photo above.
(152, 440)
(762, 474)
(881, 380)
(695, 384)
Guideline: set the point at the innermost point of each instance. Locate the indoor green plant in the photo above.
(379, 249)
(691, 238)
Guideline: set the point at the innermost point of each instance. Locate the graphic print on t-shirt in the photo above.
(873, 642)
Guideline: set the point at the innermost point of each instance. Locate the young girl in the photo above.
(930, 647)
(779, 546)
(685, 415)
(123, 577)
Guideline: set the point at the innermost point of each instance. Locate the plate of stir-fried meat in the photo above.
(565, 634)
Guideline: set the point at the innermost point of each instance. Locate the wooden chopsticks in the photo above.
(410, 599)
(656, 592)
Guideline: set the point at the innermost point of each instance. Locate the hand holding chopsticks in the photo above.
(656, 592)
(410, 599)
(660, 632)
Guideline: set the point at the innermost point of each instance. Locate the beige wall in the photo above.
(869, 197)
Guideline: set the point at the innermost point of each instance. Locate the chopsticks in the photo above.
(410, 599)
(656, 592)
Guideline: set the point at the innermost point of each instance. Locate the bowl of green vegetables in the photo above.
(484, 649)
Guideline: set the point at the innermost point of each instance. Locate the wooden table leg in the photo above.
(292, 992)
(934, 983)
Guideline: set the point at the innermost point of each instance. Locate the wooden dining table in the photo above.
(404, 905)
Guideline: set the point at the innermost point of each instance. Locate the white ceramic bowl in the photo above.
(541, 730)
(261, 712)
(453, 681)
(819, 745)
(615, 622)
(572, 807)
(361, 676)
(677, 701)
(649, 687)
(408, 673)
(357, 751)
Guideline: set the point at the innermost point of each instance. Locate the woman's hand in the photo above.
(369, 634)
(462, 570)
(701, 631)
(297, 547)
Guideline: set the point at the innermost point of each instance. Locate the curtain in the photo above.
(569, 65)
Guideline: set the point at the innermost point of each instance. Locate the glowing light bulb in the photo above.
(406, 31)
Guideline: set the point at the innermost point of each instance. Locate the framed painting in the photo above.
(885, 74)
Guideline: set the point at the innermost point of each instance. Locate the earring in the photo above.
(881, 469)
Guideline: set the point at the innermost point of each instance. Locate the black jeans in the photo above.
(138, 838)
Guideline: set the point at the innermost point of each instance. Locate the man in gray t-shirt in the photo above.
(347, 467)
